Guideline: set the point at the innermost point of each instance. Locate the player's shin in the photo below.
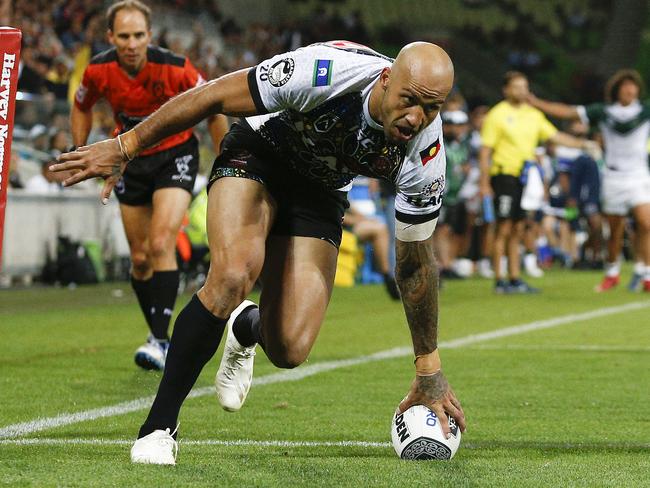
(195, 339)
(164, 289)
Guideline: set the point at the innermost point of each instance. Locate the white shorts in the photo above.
(620, 194)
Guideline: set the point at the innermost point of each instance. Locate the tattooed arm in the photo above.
(417, 277)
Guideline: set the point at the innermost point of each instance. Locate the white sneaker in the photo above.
(531, 267)
(485, 269)
(159, 447)
(152, 354)
(235, 373)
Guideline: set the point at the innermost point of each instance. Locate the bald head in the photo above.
(427, 65)
(409, 94)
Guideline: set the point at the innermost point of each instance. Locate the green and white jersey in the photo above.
(625, 131)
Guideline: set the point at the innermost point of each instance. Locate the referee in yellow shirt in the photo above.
(511, 131)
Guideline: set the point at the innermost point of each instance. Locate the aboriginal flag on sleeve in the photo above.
(430, 152)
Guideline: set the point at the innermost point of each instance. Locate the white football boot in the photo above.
(531, 267)
(235, 373)
(152, 354)
(159, 447)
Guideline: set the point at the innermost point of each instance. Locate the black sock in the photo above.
(164, 289)
(196, 337)
(247, 327)
(142, 289)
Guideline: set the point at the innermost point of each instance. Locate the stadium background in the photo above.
(568, 49)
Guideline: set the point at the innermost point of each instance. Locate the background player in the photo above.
(137, 78)
(624, 123)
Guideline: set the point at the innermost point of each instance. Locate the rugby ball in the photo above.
(417, 434)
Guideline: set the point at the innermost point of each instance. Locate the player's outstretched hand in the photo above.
(102, 159)
(435, 393)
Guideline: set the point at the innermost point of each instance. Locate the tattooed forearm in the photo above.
(416, 274)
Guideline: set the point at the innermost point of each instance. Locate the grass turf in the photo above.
(542, 408)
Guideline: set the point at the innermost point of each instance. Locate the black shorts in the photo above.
(304, 207)
(175, 167)
(507, 197)
(455, 216)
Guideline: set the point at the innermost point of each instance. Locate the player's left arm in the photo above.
(416, 274)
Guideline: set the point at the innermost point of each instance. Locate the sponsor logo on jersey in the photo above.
(435, 187)
(281, 72)
(322, 72)
(430, 152)
(158, 89)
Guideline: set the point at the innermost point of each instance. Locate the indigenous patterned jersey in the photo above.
(625, 132)
(132, 99)
(316, 117)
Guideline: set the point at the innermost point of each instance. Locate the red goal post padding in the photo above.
(9, 59)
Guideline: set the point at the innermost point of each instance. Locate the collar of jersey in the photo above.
(366, 109)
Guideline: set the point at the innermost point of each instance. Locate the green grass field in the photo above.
(564, 401)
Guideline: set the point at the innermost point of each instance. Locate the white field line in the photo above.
(558, 347)
(203, 442)
(40, 424)
(298, 444)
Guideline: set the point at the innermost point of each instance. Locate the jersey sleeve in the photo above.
(546, 129)
(421, 182)
(191, 76)
(591, 114)
(87, 93)
(303, 79)
(490, 130)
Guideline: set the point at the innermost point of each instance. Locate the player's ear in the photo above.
(384, 78)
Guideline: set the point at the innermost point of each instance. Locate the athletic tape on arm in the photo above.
(414, 232)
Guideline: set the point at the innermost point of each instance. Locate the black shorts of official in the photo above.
(455, 216)
(175, 167)
(507, 197)
(305, 208)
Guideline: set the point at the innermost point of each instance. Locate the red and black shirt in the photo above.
(164, 75)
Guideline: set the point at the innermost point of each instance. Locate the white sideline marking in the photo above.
(204, 442)
(559, 347)
(364, 444)
(40, 424)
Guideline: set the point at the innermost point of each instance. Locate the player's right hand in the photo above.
(102, 159)
(435, 393)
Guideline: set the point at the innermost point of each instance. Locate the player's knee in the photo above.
(162, 244)
(227, 288)
(140, 262)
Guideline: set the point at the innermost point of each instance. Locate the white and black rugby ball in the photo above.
(417, 434)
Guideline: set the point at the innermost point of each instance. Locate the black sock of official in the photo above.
(142, 289)
(164, 289)
(195, 339)
(247, 327)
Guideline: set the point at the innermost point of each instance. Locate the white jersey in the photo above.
(316, 118)
(625, 132)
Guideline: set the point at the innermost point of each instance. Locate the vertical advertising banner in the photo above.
(9, 59)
